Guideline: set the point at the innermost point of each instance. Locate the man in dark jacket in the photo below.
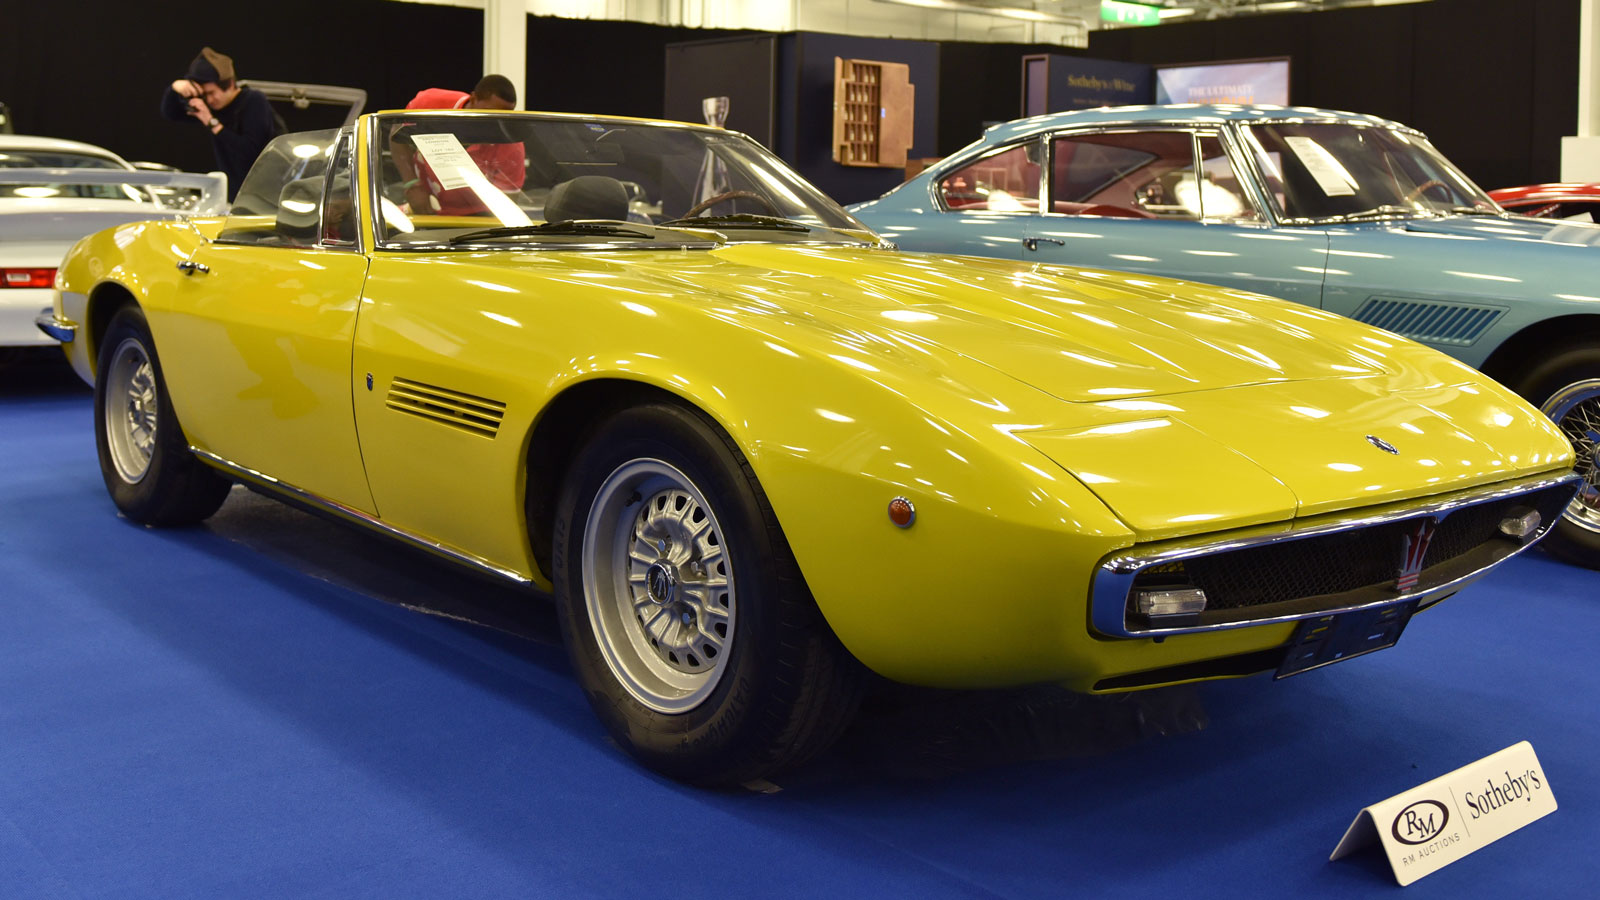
(239, 118)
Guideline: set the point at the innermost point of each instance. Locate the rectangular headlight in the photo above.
(1181, 602)
(1520, 527)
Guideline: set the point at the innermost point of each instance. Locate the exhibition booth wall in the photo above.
(1492, 83)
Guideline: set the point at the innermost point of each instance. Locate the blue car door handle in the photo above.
(1032, 243)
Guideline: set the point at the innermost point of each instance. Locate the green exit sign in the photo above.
(1129, 13)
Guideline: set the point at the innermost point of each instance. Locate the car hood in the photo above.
(1264, 453)
(1524, 228)
(1183, 407)
(1077, 335)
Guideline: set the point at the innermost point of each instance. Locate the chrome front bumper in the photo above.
(57, 328)
(1115, 580)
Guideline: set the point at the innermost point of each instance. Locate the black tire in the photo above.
(1566, 385)
(173, 487)
(787, 687)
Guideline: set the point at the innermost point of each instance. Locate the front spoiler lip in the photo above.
(56, 327)
(1114, 578)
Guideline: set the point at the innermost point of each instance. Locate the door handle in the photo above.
(189, 267)
(1032, 243)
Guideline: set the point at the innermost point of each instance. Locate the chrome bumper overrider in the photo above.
(57, 328)
(1114, 580)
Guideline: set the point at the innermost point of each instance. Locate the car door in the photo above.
(985, 206)
(274, 300)
(1169, 201)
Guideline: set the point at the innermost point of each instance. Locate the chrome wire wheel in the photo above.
(130, 410)
(658, 585)
(1576, 411)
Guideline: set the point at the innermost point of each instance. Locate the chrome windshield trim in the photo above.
(1114, 578)
(261, 480)
(56, 327)
(346, 141)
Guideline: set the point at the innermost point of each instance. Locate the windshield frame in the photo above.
(674, 237)
(1251, 151)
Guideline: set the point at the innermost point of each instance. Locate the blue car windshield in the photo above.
(1341, 171)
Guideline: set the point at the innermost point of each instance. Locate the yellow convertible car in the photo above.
(755, 453)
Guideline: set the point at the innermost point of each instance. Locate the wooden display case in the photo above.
(872, 112)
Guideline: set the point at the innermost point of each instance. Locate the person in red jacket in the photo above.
(502, 164)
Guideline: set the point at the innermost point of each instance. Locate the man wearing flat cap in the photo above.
(238, 118)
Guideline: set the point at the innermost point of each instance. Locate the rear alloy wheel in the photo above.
(144, 458)
(688, 624)
(1566, 388)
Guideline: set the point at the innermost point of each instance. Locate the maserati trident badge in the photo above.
(1382, 444)
(1415, 547)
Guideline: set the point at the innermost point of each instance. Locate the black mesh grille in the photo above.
(1343, 561)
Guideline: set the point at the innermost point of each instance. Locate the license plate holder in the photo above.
(1325, 640)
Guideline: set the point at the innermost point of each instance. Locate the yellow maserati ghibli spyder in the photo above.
(755, 453)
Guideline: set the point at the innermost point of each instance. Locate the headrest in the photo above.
(299, 205)
(587, 197)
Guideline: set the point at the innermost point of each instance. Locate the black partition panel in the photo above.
(603, 67)
(1494, 84)
(979, 84)
(743, 69)
(95, 71)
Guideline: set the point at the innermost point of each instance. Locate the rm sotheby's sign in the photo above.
(1429, 827)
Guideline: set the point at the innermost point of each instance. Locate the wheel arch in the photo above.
(105, 299)
(561, 428)
(1517, 353)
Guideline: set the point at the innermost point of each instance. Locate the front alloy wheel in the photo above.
(688, 623)
(658, 585)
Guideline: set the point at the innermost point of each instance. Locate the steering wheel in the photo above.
(1426, 185)
(709, 202)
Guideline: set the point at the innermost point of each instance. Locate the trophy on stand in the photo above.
(715, 110)
(713, 173)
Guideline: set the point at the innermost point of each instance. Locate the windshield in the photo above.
(1342, 171)
(508, 180)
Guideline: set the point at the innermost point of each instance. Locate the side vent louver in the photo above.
(476, 415)
(1458, 324)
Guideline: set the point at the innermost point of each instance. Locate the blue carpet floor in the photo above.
(257, 708)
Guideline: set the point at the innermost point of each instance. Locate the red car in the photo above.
(1560, 200)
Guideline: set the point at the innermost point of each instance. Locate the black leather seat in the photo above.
(587, 197)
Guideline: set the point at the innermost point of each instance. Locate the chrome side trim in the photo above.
(1114, 579)
(58, 328)
(355, 516)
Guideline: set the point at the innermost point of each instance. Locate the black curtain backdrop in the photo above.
(95, 71)
(1494, 84)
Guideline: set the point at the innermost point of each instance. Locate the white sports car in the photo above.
(53, 192)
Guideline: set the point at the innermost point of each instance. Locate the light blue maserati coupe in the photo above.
(1354, 214)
